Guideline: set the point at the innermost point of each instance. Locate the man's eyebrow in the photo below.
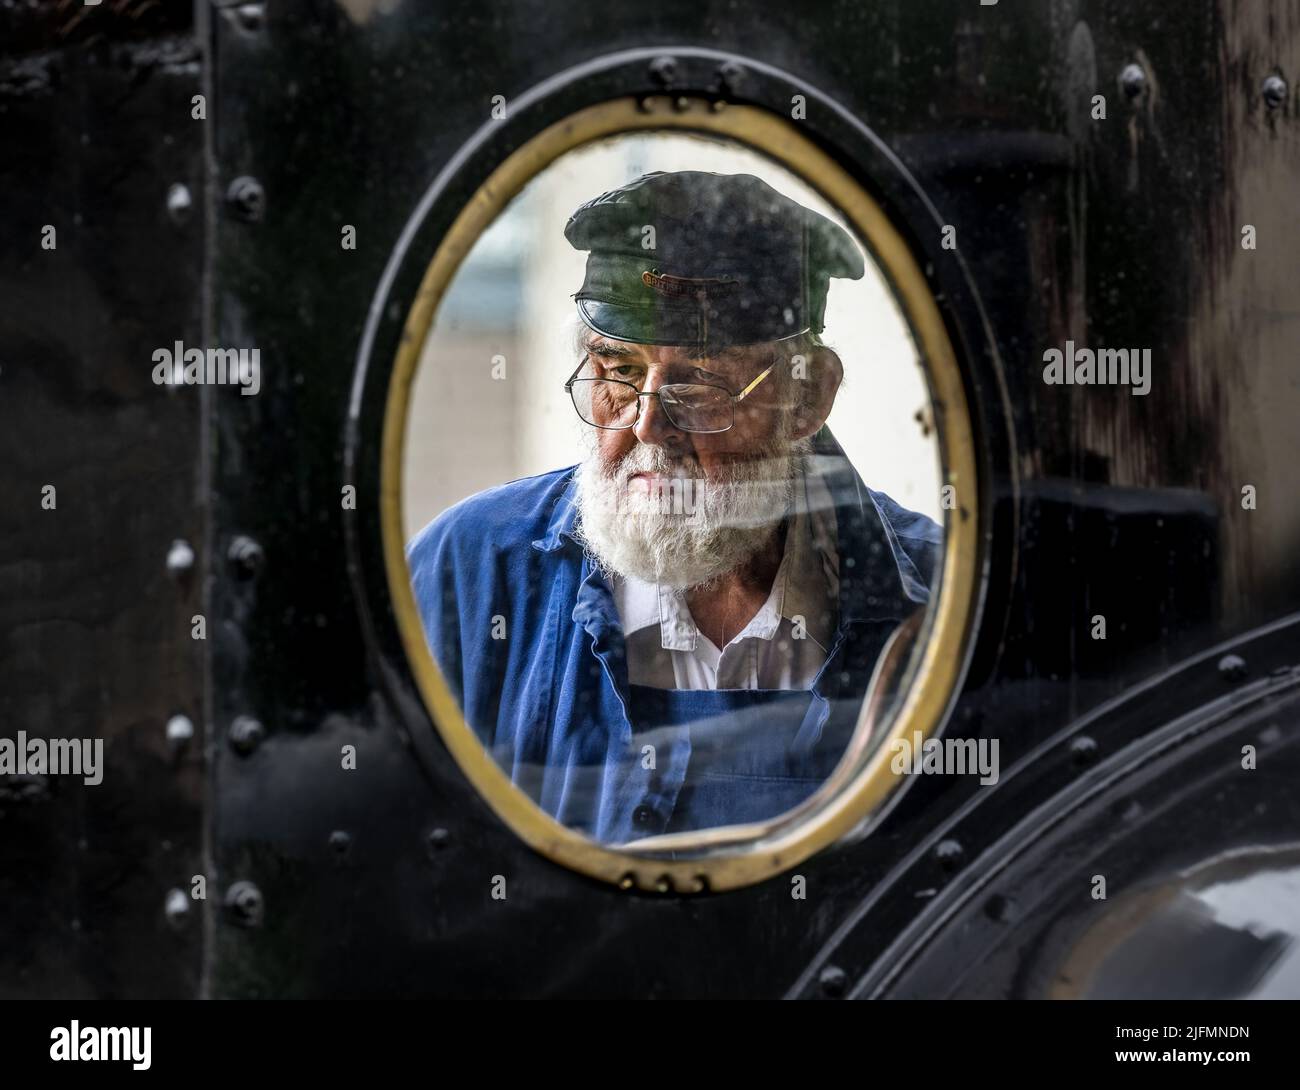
(606, 348)
(614, 350)
(733, 356)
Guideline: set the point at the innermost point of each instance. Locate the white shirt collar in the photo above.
(806, 580)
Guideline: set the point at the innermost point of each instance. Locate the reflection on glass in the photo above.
(679, 631)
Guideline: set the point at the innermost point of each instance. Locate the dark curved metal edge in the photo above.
(1042, 794)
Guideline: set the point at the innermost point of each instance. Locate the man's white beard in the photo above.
(696, 529)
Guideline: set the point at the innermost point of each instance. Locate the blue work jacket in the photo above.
(525, 630)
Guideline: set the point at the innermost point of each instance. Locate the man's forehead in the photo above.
(595, 342)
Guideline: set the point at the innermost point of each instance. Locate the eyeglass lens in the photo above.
(606, 403)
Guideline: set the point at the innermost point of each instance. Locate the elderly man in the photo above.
(678, 633)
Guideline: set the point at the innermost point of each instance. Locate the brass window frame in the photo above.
(729, 857)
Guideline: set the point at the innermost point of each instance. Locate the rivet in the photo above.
(999, 908)
(340, 841)
(681, 104)
(627, 881)
(664, 883)
(1133, 81)
(663, 70)
(1274, 91)
(1129, 810)
(246, 557)
(179, 203)
(833, 981)
(176, 907)
(180, 557)
(244, 904)
(251, 16)
(1232, 668)
(246, 734)
(247, 198)
(180, 729)
(1083, 749)
(949, 853)
(438, 839)
(730, 76)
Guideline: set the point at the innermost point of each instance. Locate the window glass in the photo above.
(671, 490)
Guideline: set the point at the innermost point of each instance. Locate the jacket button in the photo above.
(643, 815)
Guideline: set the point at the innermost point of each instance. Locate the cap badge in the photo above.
(694, 286)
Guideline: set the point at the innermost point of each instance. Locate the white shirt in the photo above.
(782, 647)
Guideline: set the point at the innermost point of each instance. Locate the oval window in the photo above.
(686, 496)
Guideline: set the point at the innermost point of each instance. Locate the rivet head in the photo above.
(833, 981)
(1274, 91)
(1133, 80)
(664, 883)
(246, 734)
(247, 199)
(340, 841)
(1232, 668)
(176, 907)
(246, 557)
(1083, 749)
(627, 881)
(949, 853)
(180, 729)
(730, 75)
(663, 70)
(180, 557)
(1000, 909)
(244, 905)
(251, 16)
(438, 839)
(179, 203)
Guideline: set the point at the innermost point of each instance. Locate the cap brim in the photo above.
(670, 326)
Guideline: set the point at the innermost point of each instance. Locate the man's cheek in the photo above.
(608, 452)
(761, 433)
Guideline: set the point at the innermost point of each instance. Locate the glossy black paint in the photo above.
(95, 630)
(1123, 232)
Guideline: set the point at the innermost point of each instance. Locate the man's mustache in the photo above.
(655, 460)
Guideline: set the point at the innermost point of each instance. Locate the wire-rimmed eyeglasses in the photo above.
(615, 405)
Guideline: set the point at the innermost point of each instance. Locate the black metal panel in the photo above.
(95, 634)
(362, 114)
(1122, 232)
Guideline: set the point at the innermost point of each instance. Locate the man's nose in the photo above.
(653, 425)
